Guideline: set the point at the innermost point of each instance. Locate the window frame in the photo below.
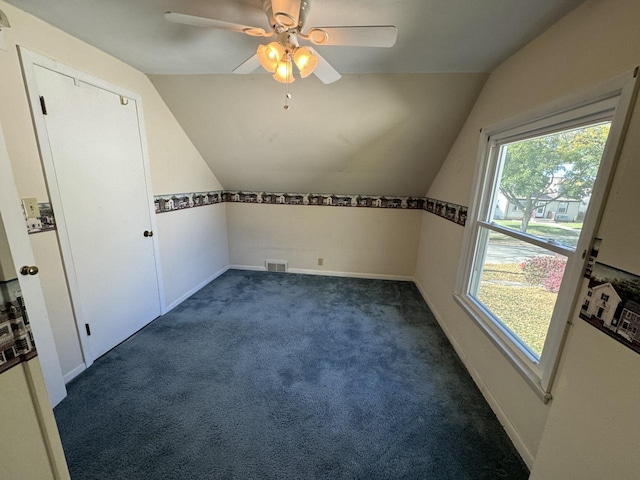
(612, 101)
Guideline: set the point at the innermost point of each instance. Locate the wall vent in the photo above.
(276, 266)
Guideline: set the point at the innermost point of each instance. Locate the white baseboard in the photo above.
(328, 273)
(515, 437)
(373, 276)
(177, 302)
(247, 267)
(74, 373)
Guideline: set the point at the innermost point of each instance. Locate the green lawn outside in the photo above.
(575, 225)
(525, 309)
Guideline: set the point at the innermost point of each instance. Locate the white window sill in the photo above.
(515, 356)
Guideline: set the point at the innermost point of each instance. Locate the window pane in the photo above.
(545, 182)
(519, 284)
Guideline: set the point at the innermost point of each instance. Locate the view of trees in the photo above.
(540, 170)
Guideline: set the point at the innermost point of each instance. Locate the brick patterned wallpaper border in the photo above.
(179, 201)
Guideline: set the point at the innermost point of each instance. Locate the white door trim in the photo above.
(29, 61)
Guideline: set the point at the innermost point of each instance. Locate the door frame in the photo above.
(29, 60)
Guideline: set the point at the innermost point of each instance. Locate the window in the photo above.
(604, 297)
(519, 277)
(563, 207)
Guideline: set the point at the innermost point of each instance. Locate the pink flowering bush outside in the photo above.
(545, 271)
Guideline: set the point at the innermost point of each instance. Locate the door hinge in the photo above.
(88, 328)
(43, 105)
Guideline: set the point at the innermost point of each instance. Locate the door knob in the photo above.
(29, 270)
(148, 233)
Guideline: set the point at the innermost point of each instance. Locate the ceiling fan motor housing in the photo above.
(285, 21)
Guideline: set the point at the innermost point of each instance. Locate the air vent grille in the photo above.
(276, 266)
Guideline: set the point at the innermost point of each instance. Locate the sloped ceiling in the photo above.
(377, 134)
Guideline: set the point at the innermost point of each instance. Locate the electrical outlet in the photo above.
(320, 261)
(31, 208)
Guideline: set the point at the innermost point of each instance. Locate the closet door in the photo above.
(100, 197)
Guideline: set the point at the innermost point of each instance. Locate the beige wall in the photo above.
(581, 434)
(197, 238)
(369, 241)
(7, 269)
(176, 166)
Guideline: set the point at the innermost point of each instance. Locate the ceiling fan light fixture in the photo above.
(284, 71)
(305, 60)
(270, 55)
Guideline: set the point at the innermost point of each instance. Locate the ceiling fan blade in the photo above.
(213, 23)
(324, 71)
(365, 36)
(248, 66)
(286, 12)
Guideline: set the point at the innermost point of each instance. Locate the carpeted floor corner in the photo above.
(283, 376)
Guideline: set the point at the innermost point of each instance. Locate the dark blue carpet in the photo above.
(262, 376)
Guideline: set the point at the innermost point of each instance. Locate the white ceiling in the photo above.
(434, 35)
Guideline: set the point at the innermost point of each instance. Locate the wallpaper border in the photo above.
(44, 223)
(16, 339)
(180, 201)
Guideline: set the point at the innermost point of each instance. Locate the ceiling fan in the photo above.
(287, 19)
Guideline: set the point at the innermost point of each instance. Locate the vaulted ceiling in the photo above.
(384, 128)
(377, 134)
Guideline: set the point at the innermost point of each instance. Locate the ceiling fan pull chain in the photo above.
(287, 95)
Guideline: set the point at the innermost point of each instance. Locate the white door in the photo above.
(102, 205)
(15, 252)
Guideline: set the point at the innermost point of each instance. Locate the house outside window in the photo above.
(519, 278)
